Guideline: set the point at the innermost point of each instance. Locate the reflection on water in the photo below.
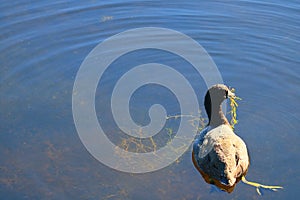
(254, 44)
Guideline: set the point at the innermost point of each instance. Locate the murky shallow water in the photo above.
(255, 46)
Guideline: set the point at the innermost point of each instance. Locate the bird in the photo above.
(218, 153)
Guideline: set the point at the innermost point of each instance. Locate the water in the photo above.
(254, 44)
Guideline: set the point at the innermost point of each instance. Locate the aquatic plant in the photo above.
(233, 105)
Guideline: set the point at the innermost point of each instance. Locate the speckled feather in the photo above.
(221, 154)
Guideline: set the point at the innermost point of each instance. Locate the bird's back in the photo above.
(221, 155)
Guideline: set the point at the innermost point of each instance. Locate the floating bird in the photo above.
(219, 154)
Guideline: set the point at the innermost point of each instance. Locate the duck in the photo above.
(218, 153)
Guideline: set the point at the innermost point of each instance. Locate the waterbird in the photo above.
(218, 153)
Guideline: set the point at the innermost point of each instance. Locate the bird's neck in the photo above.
(217, 117)
(214, 111)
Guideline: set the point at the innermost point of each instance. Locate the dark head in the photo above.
(213, 100)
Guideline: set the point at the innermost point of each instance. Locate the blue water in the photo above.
(255, 45)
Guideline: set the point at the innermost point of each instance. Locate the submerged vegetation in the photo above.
(152, 144)
(259, 186)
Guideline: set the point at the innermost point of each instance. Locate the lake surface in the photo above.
(254, 44)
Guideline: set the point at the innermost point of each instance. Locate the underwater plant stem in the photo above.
(258, 185)
(179, 116)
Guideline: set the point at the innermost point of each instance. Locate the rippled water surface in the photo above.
(255, 45)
